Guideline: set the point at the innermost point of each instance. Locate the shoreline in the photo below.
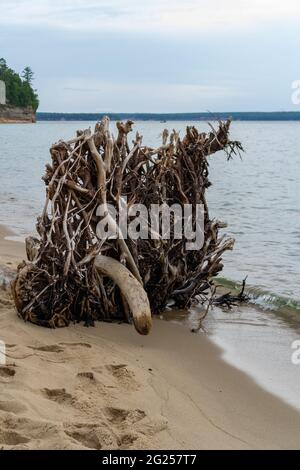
(15, 121)
(107, 387)
(11, 251)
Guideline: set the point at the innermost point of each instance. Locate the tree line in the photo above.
(164, 117)
(19, 91)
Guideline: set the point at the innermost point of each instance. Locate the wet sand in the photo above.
(107, 387)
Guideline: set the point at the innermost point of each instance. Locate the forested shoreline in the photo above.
(235, 116)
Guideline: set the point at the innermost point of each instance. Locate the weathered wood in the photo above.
(63, 282)
(131, 289)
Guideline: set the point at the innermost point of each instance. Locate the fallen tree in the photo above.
(73, 275)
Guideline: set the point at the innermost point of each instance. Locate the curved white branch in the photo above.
(131, 289)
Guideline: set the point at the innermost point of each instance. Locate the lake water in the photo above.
(259, 198)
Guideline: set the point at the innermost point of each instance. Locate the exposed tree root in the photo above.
(70, 275)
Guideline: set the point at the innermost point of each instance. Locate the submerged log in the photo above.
(72, 274)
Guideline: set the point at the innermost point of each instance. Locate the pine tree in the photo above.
(3, 65)
(27, 75)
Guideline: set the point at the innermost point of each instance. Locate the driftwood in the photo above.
(229, 299)
(72, 275)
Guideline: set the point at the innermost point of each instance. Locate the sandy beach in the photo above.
(109, 388)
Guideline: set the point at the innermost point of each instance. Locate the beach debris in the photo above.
(229, 299)
(72, 274)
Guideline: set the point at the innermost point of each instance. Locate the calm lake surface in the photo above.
(259, 198)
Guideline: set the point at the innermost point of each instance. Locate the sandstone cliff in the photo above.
(13, 114)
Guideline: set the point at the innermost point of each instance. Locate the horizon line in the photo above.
(166, 112)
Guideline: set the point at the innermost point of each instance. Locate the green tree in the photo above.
(3, 65)
(28, 75)
(19, 91)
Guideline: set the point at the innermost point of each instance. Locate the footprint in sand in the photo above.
(12, 438)
(92, 436)
(6, 371)
(120, 374)
(119, 370)
(12, 406)
(119, 415)
(133, 424)
(124, 376)
(126, 440)
(17, 432)
(99, 436)
(59, 395)
(86, 375)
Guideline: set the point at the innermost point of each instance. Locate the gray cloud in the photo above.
(173, 16)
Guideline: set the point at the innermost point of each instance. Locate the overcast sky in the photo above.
(155, 55)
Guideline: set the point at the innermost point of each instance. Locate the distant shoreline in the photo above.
(235, 116)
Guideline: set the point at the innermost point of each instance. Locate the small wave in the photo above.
(264, 299)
